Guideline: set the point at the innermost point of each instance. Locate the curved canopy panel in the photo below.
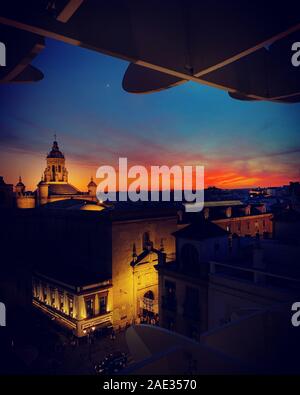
(138, 79)
(240, 96)
(267, 74)
(242, 47)
(291, 99)
(21, 48)
(29, 74)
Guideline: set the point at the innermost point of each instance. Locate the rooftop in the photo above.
(72, 275)
(62, 188)
(74, 204)
(200, 231)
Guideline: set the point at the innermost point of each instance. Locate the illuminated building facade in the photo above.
(81, 302)
(111, 250)
(140, 240)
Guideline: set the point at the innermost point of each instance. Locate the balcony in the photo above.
(169, 303)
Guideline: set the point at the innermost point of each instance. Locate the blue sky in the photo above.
(81, 99)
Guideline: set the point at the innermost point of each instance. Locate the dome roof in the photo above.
(42, 182)
(20, 183)
(92, 183)
(55, 152)
(62, 188)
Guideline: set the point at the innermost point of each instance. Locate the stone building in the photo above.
(95, 249)
(216, 279)
(54, 184)
(236, 218)
(183, 283)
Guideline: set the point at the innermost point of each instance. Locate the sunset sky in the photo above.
(241, 144)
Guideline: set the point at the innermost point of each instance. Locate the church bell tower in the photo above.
(55, 170)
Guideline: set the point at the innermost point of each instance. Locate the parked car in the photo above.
(112, 363)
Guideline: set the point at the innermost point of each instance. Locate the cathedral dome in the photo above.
(20, 183)
(92, 183)
(55, 152)
(42, 182)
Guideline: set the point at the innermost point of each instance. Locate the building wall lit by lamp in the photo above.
(74, 309)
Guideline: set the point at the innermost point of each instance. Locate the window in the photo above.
(103, 304)
(206, 212)
(89, 307)
(71, 307)
(228, 212)
(53, 297)
(38, 290)
(59, 168)
(45, 294)
(61, 301)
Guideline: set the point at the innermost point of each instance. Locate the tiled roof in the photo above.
(63, 189)
(201, 230)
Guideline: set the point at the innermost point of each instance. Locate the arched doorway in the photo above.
(149, 295)
(148, 308)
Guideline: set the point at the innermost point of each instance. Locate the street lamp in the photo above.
(89, 331)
